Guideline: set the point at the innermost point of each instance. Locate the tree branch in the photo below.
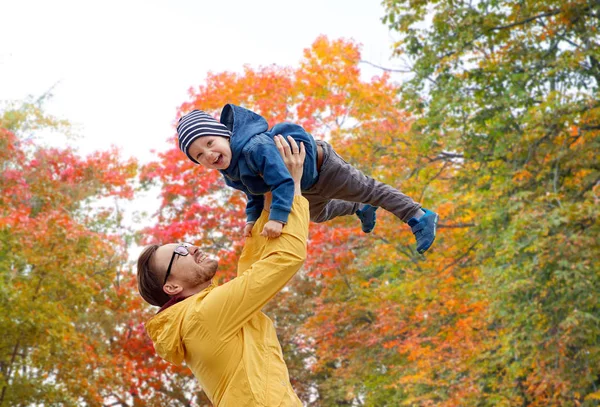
(588, 187)
(431, 180)
(445, 157)
(455, 226)
(527, 20)
(383, 68)
(586, 128)
(462, 256)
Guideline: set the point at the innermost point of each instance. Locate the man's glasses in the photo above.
(182, 250)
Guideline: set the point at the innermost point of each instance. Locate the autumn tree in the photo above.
(61, 255)
(511, 87)
(339, 321)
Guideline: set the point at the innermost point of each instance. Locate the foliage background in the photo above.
(495, 128)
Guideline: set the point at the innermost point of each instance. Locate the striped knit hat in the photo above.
(197, 124)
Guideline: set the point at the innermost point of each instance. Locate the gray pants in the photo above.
(341, 189)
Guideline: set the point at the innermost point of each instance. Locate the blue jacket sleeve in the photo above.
(268, 162)
(254, 207)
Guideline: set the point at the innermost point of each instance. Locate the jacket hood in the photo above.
(165, 331)
(243, 124)
(165, 327)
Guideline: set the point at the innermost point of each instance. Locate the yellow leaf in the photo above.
(593, 396)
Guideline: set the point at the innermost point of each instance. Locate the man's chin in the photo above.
(211, 268)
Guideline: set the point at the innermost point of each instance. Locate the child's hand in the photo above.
(272, 229)
(248, 229)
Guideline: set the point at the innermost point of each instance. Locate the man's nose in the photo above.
(193, 249)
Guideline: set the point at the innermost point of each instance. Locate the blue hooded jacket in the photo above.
(257, 167)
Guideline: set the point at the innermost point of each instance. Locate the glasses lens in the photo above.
(182, 250)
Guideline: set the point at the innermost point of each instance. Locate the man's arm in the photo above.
(229, 306)
(254, 243)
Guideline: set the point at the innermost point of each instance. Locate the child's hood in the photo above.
(243, 124)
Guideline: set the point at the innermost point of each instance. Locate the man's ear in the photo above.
(172, 289)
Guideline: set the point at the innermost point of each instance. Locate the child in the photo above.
(242, 148)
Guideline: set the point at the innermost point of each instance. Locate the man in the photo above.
(220, 332)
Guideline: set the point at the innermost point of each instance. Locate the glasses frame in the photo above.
(182, 250)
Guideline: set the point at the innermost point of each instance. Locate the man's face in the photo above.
(211, 152)
(187, 271)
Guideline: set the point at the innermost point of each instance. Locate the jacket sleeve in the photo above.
(231, 305)
(267, 161)
(254, 206)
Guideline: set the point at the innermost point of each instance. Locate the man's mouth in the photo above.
(219, 160)
(199, 257)
(203, 257)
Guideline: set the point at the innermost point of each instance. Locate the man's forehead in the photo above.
(163, 254)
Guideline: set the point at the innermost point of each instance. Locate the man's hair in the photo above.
(149, 284)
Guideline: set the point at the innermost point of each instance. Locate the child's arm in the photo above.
(254, 207)
(264, 159)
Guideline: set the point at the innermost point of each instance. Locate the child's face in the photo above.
(212, 152)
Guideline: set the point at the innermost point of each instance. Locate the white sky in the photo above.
(122, 67)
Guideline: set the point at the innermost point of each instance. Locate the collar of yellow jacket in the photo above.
(165, 327)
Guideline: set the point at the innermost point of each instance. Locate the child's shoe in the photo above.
(367, 217)
(424, 229)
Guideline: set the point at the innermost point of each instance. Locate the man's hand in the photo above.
(272, 229)
(248, 229)
(293, 157)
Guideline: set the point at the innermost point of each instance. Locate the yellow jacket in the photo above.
(224, 338)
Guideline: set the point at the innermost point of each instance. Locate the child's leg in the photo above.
(338, 180)
(322, 209)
